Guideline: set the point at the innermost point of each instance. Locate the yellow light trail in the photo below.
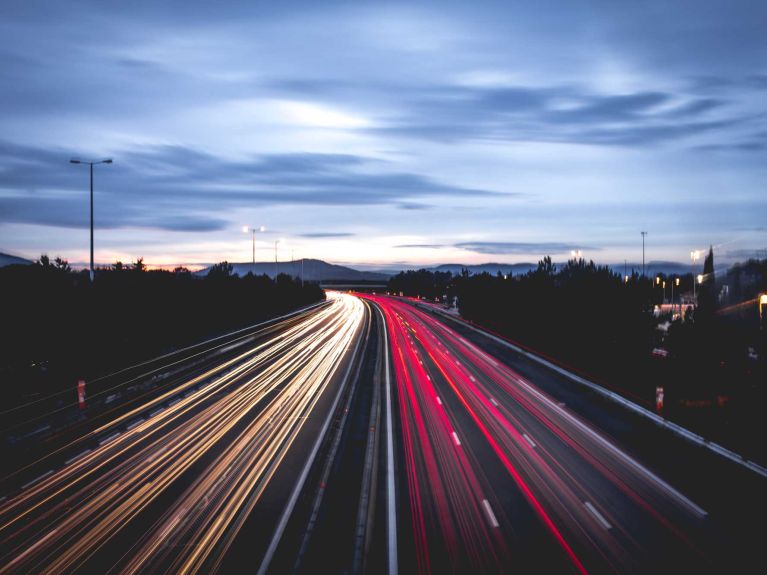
(238, 427)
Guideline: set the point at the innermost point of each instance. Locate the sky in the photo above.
(384, 134)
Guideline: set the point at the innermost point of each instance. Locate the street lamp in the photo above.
(91, 164)
(245, 230)
(694, 256)
(277, 241)
(643, 237)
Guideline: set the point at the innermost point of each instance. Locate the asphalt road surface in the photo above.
(366, 436)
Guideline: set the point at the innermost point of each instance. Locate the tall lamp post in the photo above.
(91, 164)
(694, 256)
(275, 259)
(245, 230)
(643, 237)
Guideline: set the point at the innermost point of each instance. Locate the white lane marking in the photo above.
(156, 411)
(391, 523)
(655, 418)
(617, 452)
(299, 485)
(455, 438)
(471, 377)
(527, 438)
(598, 515)
(492, 400)
(490, 514)
(439, 400)
(37, 479)
(134, 424)
(457, 362)
(109, 438)
(427, 377)
(76, 457)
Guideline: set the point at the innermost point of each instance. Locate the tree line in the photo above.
(606, 325)
(58, 326)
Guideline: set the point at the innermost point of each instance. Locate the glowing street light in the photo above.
(694, 256)
(91, 164)
(576, 254)
(245, 230)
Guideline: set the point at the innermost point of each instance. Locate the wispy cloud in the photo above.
(522, 248)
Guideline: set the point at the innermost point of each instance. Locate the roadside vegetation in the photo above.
(58, 327)
(710, 360)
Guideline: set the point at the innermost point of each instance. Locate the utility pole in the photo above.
(643, 269)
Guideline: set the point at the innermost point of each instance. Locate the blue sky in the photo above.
(384, 133)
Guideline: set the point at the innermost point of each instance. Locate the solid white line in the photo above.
(527, 438)
(134, 424)
(455, 438)
(439, 400)
(471, 377)
(391, 521)
(76, 457)
(598, 515)
(495, 403)
(490, 514)
(290, 505)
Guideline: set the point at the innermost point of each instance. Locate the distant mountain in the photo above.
(313, 270)
(8, 259)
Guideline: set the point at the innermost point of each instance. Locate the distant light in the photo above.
(245, 229)
(626, 279)
(262, 229)
(763, 299)
(677, 281)
(700, 278)
(657, 280)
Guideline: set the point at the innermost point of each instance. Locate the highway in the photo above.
(501, 477)
(365, 435)
(172, 490)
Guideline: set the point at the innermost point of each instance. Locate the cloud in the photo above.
(183, 189)
(521, 248)
(327, 235)
(426, 246)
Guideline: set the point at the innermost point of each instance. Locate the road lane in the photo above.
(605, 510)
(172, 492)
